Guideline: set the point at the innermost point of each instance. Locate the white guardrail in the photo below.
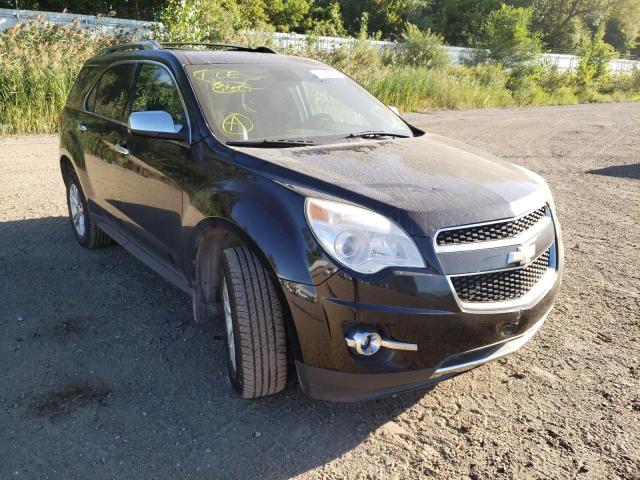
(287, 41)
(102, 24)
(458, 55)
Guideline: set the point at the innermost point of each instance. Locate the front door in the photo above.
(149, 178)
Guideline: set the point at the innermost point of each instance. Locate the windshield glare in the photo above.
(253, 102)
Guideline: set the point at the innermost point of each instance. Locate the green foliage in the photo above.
(422, 48)
(38, 65)
(552, 80)
(595, 55)
(327, 21)
(387, 17)
(507, 36)
(623, 25)
(207, 20)
(460, 22)
(417, 89)
(561, 22)
(39, 62)
(216, 20)
(285, 15)
(138, 9)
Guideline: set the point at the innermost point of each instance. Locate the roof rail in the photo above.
(141, 45)
(226, 46)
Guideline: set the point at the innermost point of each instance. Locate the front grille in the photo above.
(493, 231)
(500, 286)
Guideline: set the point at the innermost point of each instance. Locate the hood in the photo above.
(424, 183)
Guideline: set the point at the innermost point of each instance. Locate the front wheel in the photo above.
(254, 325)
(85, 230)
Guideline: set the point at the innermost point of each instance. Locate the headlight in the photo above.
(360, 239)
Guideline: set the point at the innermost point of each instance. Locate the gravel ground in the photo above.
(104, 375)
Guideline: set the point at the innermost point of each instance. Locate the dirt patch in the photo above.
(68, 327)
(71, 397)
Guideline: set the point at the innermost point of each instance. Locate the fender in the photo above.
(267, 215)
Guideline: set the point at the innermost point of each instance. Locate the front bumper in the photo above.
(415, 307)
(449, 340)
(332, 385)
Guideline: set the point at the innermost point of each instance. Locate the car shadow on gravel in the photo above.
(105, 375)
(620, 171)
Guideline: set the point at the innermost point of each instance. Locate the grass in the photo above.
(39, 63)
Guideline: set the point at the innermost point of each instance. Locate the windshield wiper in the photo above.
(375, 133)
(270, 143)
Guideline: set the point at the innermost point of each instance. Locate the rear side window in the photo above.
(85, 79)
(109, 96)
(156, 90)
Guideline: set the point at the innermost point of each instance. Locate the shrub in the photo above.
(490, 74)
(507, 36)
(422, 48)
(552, 80)
(204, 20)
(595, 55)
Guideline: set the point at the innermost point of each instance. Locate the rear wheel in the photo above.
(86, 231)
(254, 325)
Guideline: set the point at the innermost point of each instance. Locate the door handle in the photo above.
(121, 149)
(82, 127)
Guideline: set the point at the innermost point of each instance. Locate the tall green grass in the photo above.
(415, 89)
(39, 63)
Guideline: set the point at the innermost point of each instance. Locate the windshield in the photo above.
(316, 104)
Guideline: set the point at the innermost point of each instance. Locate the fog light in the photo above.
(366, 343)
(509, 329)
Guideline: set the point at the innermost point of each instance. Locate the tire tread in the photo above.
(261, 331)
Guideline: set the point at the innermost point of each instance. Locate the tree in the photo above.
(422, 48)
(327, 21)
(386, 17)
(207, 20)
(623, 25)
(507, 36)
(286, 15)
(137, 9)
(561, 22)
(595, 55)
(460, 22)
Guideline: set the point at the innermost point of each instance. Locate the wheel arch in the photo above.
(66, 166)
(210, 238)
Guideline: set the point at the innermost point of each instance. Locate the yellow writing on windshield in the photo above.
(225, 81)
(233, 87)
(237, 124)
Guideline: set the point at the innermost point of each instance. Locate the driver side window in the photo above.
(155, 90)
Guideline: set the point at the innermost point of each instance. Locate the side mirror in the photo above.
(394, 110)
(155, 124)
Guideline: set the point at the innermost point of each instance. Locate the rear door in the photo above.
(102, 130)
(149, 179)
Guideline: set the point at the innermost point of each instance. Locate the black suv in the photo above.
(331, 237)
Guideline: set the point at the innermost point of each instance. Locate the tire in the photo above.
(254, 325)
(85, 230)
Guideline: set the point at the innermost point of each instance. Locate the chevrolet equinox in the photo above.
(334, 241)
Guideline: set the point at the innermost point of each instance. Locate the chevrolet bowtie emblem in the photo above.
(522, 255)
